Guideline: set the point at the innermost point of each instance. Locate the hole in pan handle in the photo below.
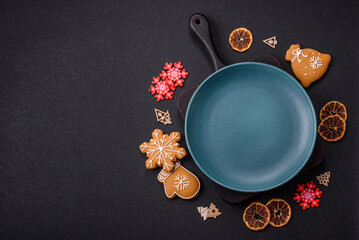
(200, 26)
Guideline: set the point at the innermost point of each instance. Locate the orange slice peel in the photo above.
(280, 212)
(332, 128)
(256, 216)
(241, 39)
(333, 108)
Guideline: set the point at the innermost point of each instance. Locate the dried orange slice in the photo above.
(332, 128)
(256, 216)
(280, 212)
(333, 108)
(241, 39)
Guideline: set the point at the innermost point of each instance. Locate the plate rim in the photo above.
(264, 188)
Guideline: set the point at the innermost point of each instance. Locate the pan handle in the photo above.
(200, 26)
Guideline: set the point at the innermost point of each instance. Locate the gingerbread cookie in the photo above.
(180, 182)
(308, 64)
(163, 150)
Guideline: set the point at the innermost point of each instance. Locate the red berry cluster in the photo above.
(171, 77)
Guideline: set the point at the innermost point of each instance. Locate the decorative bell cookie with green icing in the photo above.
(308, 65)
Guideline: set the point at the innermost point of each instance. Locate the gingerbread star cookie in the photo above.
(308, 64)
(163, 150)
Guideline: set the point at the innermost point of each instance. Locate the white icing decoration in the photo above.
(162, 176)
(306, 66)
(181, 182)
(315, 62)
(305, 74)
(297, 52)
(163, 149)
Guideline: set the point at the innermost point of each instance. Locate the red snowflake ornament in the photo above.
(308, 195)
(171, 77)
(156, 80)
(162, 89)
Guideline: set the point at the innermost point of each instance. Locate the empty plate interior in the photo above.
(250, 127)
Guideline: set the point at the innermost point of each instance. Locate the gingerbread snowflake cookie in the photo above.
(308, 64)
(163, 150)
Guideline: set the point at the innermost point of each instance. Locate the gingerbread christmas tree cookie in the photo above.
(163, 150)
(308, 64)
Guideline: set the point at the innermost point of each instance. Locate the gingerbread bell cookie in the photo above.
(308, 64)
(164, 151)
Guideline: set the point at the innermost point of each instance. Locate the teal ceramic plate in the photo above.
(250, 127)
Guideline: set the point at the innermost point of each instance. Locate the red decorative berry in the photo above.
(307, 195)
(171, 77)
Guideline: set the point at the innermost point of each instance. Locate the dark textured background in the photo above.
(74, 108)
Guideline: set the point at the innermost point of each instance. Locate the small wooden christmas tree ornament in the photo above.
(209, 212)
(163, 117)
(272, 42)
(204, 212)
(213, 212)
(324, 178)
